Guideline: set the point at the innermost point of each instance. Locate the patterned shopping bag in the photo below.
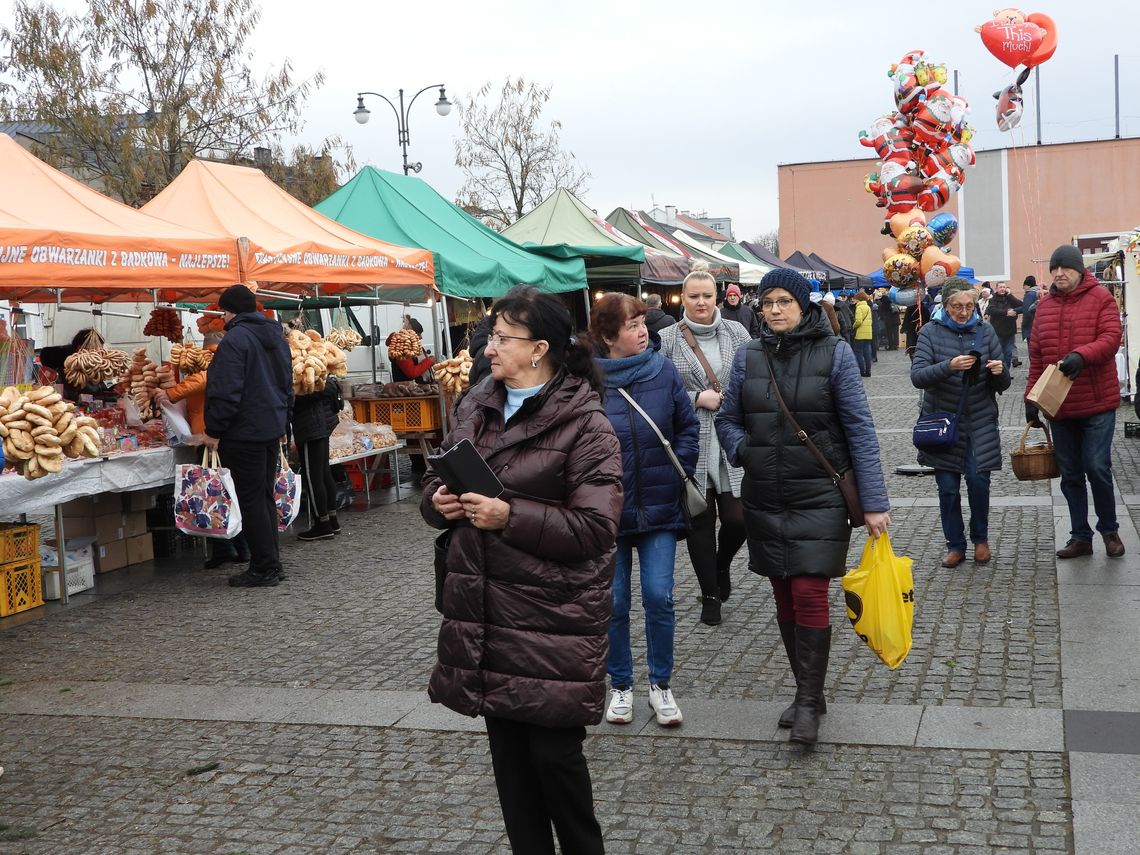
(286, 493)
(205, 500)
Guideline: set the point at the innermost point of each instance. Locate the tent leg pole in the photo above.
(445, 329)
(586, 297)
(372, 338)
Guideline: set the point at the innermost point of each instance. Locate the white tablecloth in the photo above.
(135, 470)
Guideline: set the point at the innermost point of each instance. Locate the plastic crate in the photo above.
(20, 586)
(80, 577)
(19, 542)
(406, 414)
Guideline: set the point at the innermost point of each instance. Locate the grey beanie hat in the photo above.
(1067, 255)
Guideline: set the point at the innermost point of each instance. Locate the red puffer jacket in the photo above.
(527, 609)
(1086, 320)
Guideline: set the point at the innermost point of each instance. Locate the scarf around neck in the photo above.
(622, 372)
(703, 330)
(970, 323)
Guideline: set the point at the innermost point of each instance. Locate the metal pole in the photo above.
(1116, 75)
(955, 81)
(1037, 86)
(372, 338)
(403, 131)
(446, 338)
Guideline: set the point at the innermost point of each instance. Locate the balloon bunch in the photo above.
(924, 147)
(919, 254)
(1017, 39)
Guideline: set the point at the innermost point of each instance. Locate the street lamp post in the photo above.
(442, 106)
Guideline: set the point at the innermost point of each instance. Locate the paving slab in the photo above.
(353, 707)
(1104, 829)
(429, 716)
(1105, 778)
(1105, 732)
(981, 728)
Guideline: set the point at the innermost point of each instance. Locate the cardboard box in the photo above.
(94, 506)
(140, 549)
(134, 523)
(1050, 391)
(105, 529)
(140, 500)
(110, 556)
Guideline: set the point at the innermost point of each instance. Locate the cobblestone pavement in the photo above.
(124, 787)
(355, 613)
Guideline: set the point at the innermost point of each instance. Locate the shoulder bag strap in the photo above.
(800, 433)
(687, 334)
(664, 442)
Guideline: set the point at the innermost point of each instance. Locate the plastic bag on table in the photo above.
(178, 431)
(205, 501)
(880, 600)
(127, 405)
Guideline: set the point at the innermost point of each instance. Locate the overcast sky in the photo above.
(685, 103)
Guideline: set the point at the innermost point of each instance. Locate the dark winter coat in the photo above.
(743, 315)
(889, 316)
(527, 609)
(1086, 320)
(249, 384)
(652, 487)
(846, 315)
(315, 416)
(794, 515)
(657, 319)
(1029, 312)
(942, 390)
(477, 347)
(1003, 324)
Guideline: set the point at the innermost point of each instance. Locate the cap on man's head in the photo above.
(1067, 255)
(732, 288)
(829, 298)
(238, 299)
(415, 326)
(1030, 281)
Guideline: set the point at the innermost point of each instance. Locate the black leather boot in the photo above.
(813, 647)
(710, 611)
(788, 636)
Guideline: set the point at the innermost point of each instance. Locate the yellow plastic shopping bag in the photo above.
(880, 600)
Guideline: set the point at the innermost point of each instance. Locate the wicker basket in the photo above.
(1037, 462)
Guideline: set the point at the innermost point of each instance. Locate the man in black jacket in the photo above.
(1002, 314)
(249, 402)
(656, 318)
(734, 310)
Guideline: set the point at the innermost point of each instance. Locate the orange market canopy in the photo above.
(289, 242)
(58, 237)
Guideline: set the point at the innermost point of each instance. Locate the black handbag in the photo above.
(442, 542)
(939, 429)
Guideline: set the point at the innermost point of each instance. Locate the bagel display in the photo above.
(314, 358)
(405, 344)
(344, 338)
(94, 365)
(454, 374)
(39, 429)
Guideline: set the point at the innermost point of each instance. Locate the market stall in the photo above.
(62, 242)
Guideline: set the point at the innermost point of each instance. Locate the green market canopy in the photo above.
(639, 227)
(564, 227)
(471, 260)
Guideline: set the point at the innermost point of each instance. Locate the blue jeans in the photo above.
(1008, 349)
(950, 503)
(1084, 450)
(656, 554)
(863, 354)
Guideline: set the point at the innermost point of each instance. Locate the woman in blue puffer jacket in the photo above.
(652, 513)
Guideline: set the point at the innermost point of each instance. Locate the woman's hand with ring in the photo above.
(447, 504)
(963, 362)
(486, 513)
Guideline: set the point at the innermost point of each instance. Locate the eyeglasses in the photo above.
(781, 304)
(496, 339)
(959, 308)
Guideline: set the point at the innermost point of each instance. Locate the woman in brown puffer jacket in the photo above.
(526, 597)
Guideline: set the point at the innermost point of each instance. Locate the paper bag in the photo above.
(1050, 391)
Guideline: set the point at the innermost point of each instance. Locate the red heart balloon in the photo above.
(1013, 44)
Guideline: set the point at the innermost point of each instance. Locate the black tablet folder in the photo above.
(463, 470)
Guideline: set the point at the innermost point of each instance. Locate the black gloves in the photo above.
(1071, 365)
(1033, 415)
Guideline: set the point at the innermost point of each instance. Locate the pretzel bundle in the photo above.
(39, 429)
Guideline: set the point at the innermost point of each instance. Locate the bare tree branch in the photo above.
(511, 162)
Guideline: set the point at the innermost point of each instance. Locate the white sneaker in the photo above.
(620, 710)
(663, 703)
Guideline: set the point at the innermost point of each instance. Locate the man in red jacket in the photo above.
(1078, 327)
